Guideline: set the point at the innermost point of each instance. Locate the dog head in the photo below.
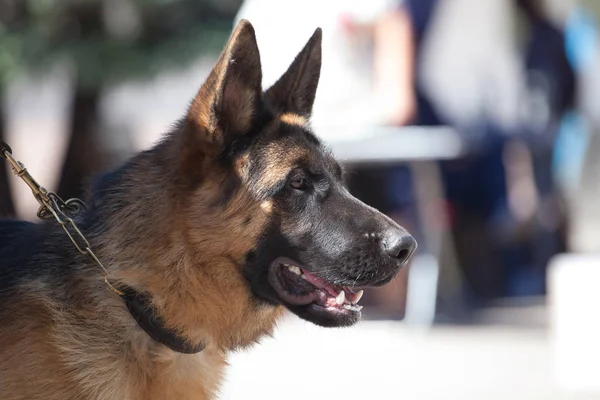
(257, 176)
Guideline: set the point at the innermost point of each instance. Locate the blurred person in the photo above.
(364, 81)
(576, 162)
(498, 72)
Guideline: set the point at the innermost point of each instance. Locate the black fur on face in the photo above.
(316, 225)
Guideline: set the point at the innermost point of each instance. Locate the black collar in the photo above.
(141, 309)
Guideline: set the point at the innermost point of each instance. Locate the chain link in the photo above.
(51, 205)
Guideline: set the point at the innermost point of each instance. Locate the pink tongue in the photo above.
(322, 284)
(326, 295)
(315, 280)
(351, 296)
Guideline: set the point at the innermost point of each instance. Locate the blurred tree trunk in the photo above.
(83, 157)
(7, 208)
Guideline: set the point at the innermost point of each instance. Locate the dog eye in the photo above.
(299, 183)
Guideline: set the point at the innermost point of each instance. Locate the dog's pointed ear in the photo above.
(295, 91)
(229, 100)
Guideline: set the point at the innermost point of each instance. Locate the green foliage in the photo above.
(110, 40)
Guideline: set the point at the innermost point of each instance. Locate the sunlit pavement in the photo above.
(388, 360)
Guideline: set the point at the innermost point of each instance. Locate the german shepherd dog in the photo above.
(238, 214)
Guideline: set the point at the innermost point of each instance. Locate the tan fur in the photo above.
(201, 106)
(109, 357)
(281, 158)
(219, 90)
(293, 119)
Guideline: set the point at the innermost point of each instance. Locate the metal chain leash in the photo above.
(51, 205)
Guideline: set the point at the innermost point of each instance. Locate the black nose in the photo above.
(400, 246)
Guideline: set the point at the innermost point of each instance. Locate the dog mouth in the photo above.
(298, 287)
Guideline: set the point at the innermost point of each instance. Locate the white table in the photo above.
(395, 144)
(434, 277)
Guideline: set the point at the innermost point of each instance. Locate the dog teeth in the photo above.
(358, 296)
(340, 298)
(294, 269)
(352, 307)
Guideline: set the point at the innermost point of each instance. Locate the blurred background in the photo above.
(475, 124)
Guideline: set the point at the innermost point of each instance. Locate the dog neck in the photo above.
(142, 311)
(143, 237)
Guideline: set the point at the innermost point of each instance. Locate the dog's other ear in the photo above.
(228, 101)
(295, 91)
